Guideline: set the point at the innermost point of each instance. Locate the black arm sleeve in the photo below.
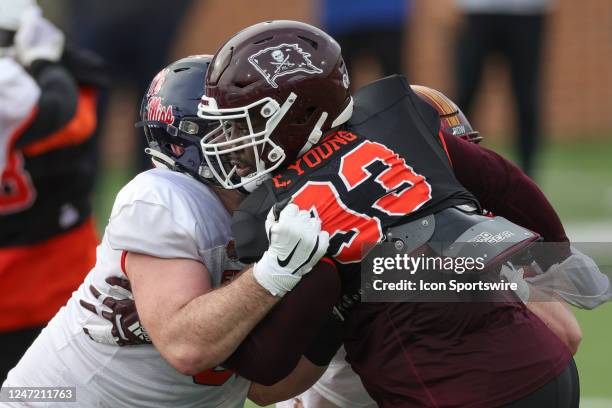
(504, 189)
(326, 343)
(272, 350)
(57, 105)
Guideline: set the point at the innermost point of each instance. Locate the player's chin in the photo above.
(244, 172)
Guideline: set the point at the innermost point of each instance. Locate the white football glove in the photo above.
(296, 245)
(37, 38)
(513, 275)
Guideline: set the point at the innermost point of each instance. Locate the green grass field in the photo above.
(577, 178)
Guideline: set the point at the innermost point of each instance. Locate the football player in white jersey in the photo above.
(168, 232)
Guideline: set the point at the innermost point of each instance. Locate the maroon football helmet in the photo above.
(452, 121)
(275, 87)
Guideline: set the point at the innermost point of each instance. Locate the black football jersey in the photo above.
(389, 166)
(386, 167)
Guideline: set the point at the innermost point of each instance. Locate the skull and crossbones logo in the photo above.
(280, 60)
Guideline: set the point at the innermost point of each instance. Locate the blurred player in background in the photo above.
(515, 30)
(134, 46)
(48, 96)
(371, 34)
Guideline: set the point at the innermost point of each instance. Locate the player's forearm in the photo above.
(196, 328)
(210, 327)
(273, 349)
(301, 378)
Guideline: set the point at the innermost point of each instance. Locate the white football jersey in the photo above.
(164, 214)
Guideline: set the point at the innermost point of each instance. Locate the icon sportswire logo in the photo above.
(280, 60)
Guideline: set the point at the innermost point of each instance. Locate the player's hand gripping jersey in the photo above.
(388, 167)
(154, 214)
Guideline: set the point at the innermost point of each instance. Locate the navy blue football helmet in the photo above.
(169, 117)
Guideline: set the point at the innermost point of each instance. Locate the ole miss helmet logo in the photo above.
(157, 111)
(283, 59)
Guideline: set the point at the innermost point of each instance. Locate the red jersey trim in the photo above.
(123, 255)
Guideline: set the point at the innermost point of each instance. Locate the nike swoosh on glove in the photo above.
(296, 245)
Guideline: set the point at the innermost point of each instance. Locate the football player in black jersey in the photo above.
(280, 92)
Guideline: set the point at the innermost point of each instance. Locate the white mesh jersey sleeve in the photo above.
(168, 215)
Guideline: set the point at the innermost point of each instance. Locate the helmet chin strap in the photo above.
(315, 134)
(163, 158)
(276, 154)
(252, 185)
(345, 115)
(284, 108)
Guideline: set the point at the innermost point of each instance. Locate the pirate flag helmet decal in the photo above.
(283, 59)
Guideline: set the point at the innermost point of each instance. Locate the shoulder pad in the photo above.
(375, 98)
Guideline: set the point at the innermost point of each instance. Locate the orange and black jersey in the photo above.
(387, 167)
(47, 184)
